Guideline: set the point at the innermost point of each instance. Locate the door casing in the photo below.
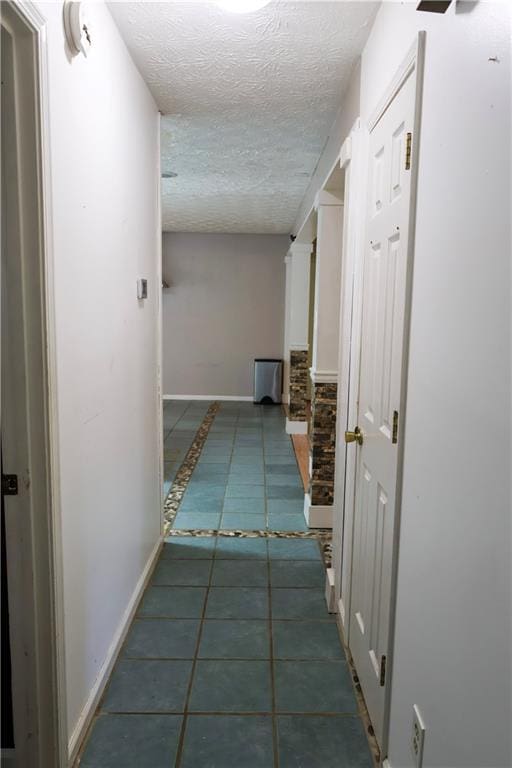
(350, 353)
(351, 161)
(33, 525)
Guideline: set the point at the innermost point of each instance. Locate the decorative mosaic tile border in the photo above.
(181, 481)
(323, 536)
(179, 486)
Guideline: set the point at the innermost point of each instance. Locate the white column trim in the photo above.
(298, 311)
(346, 152)
(323, 377)
(230, 398)
(299, 347)
(330, 597)
(296, 427)
(327, 283)
(299, 249)
(342, 613)
(317, 515)
(325, 198)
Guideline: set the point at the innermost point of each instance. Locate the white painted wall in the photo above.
(299, 295)
(104, 145)
(224, 307)
(327, 284)
(286, 334)
(452, 646)
(347, 114)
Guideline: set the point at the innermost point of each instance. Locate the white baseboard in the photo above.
(296, 427)
(330, 596)
(342, 612)
(234, 398)
(80, 729)
(317, 516)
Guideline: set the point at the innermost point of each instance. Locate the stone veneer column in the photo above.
(296, 335)
(318, 502)
(299, 374)
(323, 443)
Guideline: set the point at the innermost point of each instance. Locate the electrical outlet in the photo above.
(417, 737)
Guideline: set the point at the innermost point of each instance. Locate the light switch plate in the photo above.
(142, 288)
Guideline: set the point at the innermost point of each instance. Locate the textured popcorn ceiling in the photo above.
(247, 100)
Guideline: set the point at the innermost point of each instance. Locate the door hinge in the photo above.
(9, 485)
(382, 670)
(394, 438)
(408, 146)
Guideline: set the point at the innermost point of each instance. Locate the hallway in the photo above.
(231, 662)
(232, 659)
(246, 477)
(211, 202)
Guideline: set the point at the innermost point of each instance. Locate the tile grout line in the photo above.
(265, 495)
(272, 671)
(301, 660)
(232, 713)
(181, 742)
(230, 463)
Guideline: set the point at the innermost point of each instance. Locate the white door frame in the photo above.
(159, 331)
(350, 353)
(34, 537)
(352, 160)
(412, 66)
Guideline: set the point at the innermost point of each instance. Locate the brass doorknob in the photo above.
(354, 437)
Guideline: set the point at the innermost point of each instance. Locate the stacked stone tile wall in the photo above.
(323, 443)
(298, 384)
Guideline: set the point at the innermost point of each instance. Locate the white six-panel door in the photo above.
(380, 383)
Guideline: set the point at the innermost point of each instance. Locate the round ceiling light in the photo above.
(242, 6)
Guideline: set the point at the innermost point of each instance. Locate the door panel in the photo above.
(380, 376)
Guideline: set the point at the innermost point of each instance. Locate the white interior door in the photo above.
(386, 253)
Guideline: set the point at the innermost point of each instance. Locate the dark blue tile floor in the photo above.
(246, 477)
(231, 662)
(181, 420)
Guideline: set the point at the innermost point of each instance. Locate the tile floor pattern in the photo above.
(232, 661)
(247, 476)
(181, 420)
